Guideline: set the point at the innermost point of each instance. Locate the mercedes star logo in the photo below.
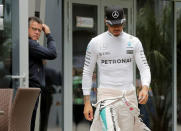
(115, 14)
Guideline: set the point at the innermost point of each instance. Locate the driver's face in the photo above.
(115, 29)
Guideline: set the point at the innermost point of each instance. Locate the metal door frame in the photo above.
(20, 56)
(174, 112)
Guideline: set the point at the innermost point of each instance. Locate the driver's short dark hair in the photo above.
(34, 18)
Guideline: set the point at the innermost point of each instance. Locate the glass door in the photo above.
(85, 20)
(85, 26)
(178, 55)
(13, 44)
(5, 45)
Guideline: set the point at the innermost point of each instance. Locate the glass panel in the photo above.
(84, 28)
(178, 28)
(5, 44)
(51, 100)
(154, 28)
(51, 109)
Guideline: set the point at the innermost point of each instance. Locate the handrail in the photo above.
(1, 112)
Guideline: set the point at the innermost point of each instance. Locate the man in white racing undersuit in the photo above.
(115, 52)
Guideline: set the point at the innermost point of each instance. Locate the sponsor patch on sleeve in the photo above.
(129, 51)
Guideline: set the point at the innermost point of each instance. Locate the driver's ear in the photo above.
(105, 21)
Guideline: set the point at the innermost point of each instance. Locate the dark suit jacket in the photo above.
(37, 54)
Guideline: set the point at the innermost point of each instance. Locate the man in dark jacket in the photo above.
(37, 56)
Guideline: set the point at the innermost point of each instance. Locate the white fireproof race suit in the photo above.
(115, 57)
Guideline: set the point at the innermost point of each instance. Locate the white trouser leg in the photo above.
(126, 120)
(109, 119)
(117, 114)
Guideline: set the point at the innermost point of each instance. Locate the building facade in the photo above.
(157, 23)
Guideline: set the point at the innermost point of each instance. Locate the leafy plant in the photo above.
(154, 30)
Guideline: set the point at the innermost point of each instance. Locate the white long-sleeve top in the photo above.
(115, 57)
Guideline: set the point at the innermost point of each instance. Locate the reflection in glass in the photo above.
(84, 28)
(51, 101)
(5, 45)
(154, 29)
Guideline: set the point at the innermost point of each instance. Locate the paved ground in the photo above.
(179, 128)
(54, 129)
(85, 127)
